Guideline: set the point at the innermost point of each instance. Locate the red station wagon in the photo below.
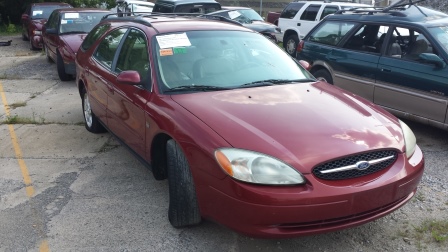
(34, 18)
(64, 33)
(244, 134)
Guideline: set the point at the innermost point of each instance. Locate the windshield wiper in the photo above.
(271, 82)
(196, 87)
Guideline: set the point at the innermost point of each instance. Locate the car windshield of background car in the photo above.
(42, 12)
(78, 22)
(441, 34)
(197, 8)
(223, 59)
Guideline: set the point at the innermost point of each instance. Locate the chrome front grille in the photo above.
(356, 166)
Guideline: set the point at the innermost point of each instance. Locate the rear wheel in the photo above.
(91, 121)
(290, 44)
(323, 75)
(61, 69)
(183, 209)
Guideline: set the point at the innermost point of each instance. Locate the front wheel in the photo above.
(323, 75)
(91, 121)
(183, 208)
(290, 44)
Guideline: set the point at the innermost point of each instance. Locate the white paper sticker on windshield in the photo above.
(234, 14)
(63, 21)
(37, 12)
(71, 15)
(173, 40)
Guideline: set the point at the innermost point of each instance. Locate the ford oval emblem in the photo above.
(362, 165)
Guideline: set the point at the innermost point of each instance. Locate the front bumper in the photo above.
(318, 207)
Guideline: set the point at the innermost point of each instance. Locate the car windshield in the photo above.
(42, 12)
(212, 60)
(441, 35)
(245, 15)
(79, 22)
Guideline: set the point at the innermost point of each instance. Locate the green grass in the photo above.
(11, 29)
(429, 231)
(23, 120)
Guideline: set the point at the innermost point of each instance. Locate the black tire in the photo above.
(61, 69)
(290, 44)
(91, 122)
(49, 59)
(183, 209)
(323, 75)
(24, 37)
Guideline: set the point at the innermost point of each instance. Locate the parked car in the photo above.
(395, 57)
(132, 6)
(273, 16)
(186, 6)
(244, 134)
(64, 33)
(35, 16)
(298, 18)
(250, 19)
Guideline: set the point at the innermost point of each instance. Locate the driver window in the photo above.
(106, 49)
(134, 54)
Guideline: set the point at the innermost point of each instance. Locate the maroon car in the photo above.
(64, 33)
(244, 134)
(34, 18)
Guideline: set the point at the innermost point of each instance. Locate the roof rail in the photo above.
(393, 9)
(140, 15)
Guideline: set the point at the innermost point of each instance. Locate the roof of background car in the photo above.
(165, 23)
(50, 4)
(414, 14)
(83, 10)
(186, 1)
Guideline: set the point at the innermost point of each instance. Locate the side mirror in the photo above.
(433, 59)
(305, 64)
(130, 77)
(25, 16)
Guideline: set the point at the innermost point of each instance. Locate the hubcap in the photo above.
(87, 111)
(290, 46)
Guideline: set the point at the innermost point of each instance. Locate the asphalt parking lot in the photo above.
(65, 189)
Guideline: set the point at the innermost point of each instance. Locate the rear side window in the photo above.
(330, 33)
(310, 12)
(163, 8)
(291, 10)
(93, 35)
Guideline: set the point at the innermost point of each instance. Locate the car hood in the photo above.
(73, 41)
(38, 23)
(261, 26)
(302, 124)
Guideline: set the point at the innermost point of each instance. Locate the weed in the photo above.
(17, 104)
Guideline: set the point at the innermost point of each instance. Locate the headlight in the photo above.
(409, 139)
(257, 168)
(36, 32)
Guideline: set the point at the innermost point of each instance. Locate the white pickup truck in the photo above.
(298, 18)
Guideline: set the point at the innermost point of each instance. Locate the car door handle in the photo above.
(298, 24)
(385, 70)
